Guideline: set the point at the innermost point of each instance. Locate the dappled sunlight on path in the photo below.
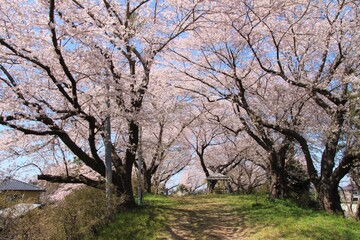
(204, 219)
(217, 217)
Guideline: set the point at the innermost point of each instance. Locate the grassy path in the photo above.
(204, 218)
(216, 217)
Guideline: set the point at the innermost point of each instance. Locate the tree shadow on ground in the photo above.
(203, 219)
(217, 217)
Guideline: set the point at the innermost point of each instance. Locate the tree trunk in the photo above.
(129, 200)
(277, 176)
(329, 198)
(229, 187)
(130, 157)
(147, 182)
(211, 185)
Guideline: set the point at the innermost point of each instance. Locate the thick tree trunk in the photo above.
(329, 198)
(130, 157)
(147, 182)
(277, 176)
(277, 185)
(129, 200)
(229, 188)
(211, 185)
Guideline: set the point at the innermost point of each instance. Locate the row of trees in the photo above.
(286, 68)
(233, 84)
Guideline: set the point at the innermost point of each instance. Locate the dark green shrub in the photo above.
(298, 185)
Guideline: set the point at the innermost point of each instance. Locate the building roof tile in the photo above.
(10, 184)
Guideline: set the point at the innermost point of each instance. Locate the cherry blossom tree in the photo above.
(215, 150)
(61, 60)
(165, 152)
(165, 115)
(220, 71)
(252, 171)
(291, 72)
(247, 177)
(191, 181)
(312, 47)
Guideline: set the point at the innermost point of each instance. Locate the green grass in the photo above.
(285, 220)
(226, 217)
(144, 222)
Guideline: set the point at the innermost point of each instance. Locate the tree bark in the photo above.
(130, 157)
(329, 198)
(277, 170)
(147, 181)
(211, 185)
(277, 174)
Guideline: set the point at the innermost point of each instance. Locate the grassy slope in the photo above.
(227, 217)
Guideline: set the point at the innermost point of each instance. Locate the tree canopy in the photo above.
(233, 84)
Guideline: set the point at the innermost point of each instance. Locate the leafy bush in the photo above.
(298, 185)
(82, 213)
(79, 216)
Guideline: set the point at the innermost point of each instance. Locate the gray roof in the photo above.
(16, 185)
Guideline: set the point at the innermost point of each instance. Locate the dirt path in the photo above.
(203, 219)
